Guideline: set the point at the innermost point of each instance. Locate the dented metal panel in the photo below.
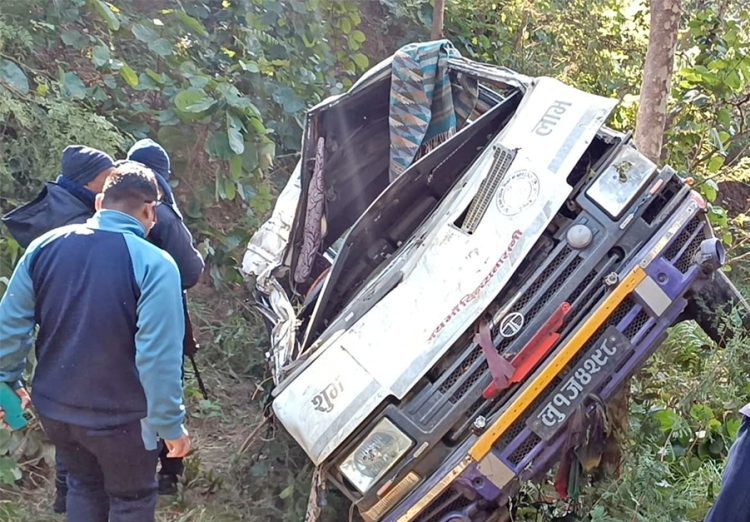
(450, 276)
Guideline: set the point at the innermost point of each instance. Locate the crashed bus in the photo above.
(464, 260)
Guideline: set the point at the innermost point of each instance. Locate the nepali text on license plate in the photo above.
(597, 364)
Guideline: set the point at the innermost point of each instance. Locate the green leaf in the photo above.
(250, 156)
(258, 126)
(129, 75)
(358, 36)
(345, 25)
(100, 55)
(266, 154)
(156, 77)
(161, 46)
(733, 426)
(702, 413)
(230, 189)
(734, 81)
(145, 83)
(191, 23)
(193, 100)
(287, 492)
(235, 99)
(235, 167)
(667, 419)
(259, 469)
(107, 14)
(710, 190)
(716, 140)
(217, 146)
(251, 67)
(725, 118)
(290, 101)
(143, 33)
(11, 74)
(72, 86)
(361, 60)
(9, 472)
(109, 81)
(74, 39)
(234, 134)
(715, 164)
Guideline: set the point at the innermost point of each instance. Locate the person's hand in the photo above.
(25, 398)
(179, 448)
(25, 403)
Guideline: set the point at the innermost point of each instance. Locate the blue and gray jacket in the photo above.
(109, 308)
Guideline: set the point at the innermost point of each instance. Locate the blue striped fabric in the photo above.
(425, 107)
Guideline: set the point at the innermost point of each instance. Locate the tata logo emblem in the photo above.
(511, 324)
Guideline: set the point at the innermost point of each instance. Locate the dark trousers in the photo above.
(61, 476)
(733, 502)
(111, 475)
(169, 466)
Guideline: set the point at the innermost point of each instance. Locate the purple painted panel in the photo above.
(669, 279)
(474, 480)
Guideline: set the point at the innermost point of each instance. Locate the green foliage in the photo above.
(683, 420)
(29, 447)
(222, 86)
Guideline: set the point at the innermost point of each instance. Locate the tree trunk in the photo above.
(438, 15)
(657, 76)
(649, 137)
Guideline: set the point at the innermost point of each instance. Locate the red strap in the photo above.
(540, 345)
(500, 369)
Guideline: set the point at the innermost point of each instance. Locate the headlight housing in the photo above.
(621, 182)
(375, 455)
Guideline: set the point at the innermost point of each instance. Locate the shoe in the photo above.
(168, 484)
(59, 506)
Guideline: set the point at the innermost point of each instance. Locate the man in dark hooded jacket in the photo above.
(171, 235)
(69, 200)
(170, 232)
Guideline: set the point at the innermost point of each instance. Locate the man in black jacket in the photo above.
(69, 200)
(170, 234)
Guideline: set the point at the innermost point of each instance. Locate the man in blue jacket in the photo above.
(107, 385)
(70, 199)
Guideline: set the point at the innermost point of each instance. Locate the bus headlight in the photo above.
(375, 455)
(616, 187)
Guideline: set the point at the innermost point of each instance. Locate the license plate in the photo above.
(598, 363)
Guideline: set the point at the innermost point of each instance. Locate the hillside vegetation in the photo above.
(224, 86)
